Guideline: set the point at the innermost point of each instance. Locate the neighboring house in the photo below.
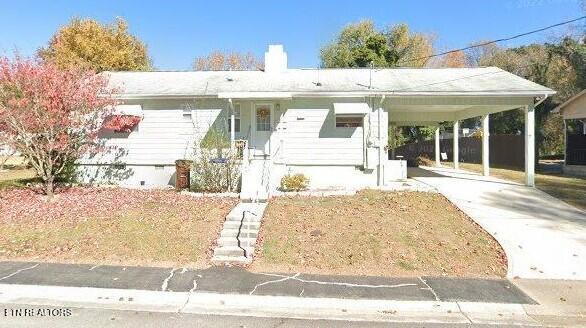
(575, 155)
(329, 124)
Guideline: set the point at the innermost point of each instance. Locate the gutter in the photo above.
(339, 94)
(381, 147)
(545, 96)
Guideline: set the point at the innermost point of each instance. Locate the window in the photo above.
(236, 119)
(263, 118)
(348, 121)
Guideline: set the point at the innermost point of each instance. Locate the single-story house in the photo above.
(575, 141)
(329, 124)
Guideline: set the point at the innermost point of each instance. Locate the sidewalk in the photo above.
(221, 290)
(224, 280)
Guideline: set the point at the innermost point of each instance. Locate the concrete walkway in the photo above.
(543, 237)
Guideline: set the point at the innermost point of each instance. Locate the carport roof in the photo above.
(486, 81)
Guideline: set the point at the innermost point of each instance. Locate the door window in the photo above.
(263, 118)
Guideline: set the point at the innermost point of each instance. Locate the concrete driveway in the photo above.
(543, 237)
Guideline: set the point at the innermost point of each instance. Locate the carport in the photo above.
(461, 96)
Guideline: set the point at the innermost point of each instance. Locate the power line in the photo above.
(493, 41)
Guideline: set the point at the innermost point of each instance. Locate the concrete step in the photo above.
(232, 224)
(244, 233)
(233, 251)
(231, 259)
(248, 219)
(232, 241)
(250, 211)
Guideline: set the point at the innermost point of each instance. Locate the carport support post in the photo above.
(485, 145)
(437, 147)
(529, 145)
(456, 151)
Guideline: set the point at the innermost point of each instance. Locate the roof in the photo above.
(569, 101)
(404, 81)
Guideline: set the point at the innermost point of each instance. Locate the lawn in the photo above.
(572, 190)
(375, 233)
(110, 226)
(16, 177)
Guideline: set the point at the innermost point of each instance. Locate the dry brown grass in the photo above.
(16, 177)
(375, 233)
(572, 190)
(111, 226)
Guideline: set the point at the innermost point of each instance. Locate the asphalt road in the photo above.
(114, 318)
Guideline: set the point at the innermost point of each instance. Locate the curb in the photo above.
(267, 306)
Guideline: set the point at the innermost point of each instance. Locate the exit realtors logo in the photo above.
(36, 312)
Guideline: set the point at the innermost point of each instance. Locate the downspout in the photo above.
(380, 143)
(535, 108)
(232, 125)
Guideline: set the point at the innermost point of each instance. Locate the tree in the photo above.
(553, 135)
(90, 45)
(453, 60)
(360, 44)
(560, 66)
(51, 116)
(222, 61)
(481, 52)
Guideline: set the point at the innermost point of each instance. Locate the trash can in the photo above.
(182, 174)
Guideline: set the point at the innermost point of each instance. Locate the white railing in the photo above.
(265, 179)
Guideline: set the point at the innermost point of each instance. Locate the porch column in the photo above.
(485, 145)
(529, 145)
(392, 140)
(232, 125)
(437, 147)
(456, 151)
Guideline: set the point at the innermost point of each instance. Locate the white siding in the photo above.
(311, 137)
(305, 140)
(164, 135)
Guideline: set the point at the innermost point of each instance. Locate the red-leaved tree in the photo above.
(51, 116)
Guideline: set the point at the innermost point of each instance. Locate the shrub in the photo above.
(423, 160)
(213, 173)
(295, 182)
(215, 167)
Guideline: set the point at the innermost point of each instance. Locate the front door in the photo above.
(262, 128)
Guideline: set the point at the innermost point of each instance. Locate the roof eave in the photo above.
(341, 94)
(560, 108)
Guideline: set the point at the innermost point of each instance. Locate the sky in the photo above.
(178, 31)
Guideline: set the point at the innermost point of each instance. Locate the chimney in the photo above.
(275, 59)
